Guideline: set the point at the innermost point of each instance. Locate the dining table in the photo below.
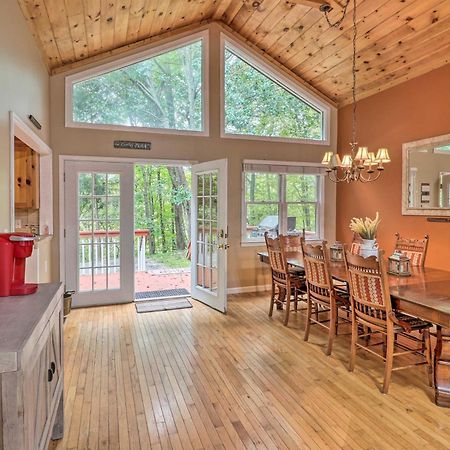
(424, 294)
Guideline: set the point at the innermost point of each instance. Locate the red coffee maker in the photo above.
(14, 249)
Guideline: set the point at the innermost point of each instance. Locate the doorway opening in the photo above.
(162, 205)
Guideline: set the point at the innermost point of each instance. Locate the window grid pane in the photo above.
(99, 231)
(297, 210)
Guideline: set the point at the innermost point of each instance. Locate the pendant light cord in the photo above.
(354, 122)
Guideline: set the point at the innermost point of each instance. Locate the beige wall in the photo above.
(24, 89)
(243, 267)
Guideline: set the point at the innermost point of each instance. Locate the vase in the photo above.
(368, 248)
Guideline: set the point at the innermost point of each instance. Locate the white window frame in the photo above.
(282, 203)
(70, 80)
(267, 69)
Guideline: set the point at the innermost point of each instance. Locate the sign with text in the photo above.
(133, 145)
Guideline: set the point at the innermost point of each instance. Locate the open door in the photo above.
(209, 234)
(99, 232)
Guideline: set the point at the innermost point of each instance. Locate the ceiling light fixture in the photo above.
(361, 164)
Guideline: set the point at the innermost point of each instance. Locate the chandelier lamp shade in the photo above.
(360, 164)
(363, 166)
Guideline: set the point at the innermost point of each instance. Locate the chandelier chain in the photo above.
(360, 165)
(354, 122)
(341, 19)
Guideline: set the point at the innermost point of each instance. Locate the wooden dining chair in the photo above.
(322, 296)
(414, 249)
(292, 243)
(285, 282)
(371, 311)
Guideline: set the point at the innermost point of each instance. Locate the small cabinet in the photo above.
(31, 369)
(36, 395)
(26, 175)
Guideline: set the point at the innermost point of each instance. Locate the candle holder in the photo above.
(337, 252)
(399, 264)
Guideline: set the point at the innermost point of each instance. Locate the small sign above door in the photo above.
(133, 145)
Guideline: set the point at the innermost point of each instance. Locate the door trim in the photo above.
(105, 296)
(62, 159)
(221, 166)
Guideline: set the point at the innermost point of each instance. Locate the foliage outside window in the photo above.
(164, 91)
(280, 203)
(256, 105)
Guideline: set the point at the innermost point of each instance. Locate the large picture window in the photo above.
(164, 90)
(260, 104)
(281, 199)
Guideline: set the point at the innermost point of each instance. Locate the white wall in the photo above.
(24, 89)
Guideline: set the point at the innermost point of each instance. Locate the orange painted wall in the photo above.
(416, 109)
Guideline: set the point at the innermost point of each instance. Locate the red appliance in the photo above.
(14, 249)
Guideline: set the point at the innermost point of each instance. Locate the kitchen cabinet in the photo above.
(31, 369)
(26, 176)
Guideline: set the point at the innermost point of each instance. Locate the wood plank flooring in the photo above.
(197, 379)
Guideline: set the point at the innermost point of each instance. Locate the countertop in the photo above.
(19, 316)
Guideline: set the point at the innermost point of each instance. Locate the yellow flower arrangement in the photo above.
(367, 228)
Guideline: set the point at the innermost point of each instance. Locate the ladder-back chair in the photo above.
(322, 296)
(285, 283)
(371, 307)
(414, 249)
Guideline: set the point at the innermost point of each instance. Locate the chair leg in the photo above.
(367, 333)
(427, 349)
(337, 321)
(288, 304)
(385, 344)
(353, 344)
(389, 361)
(272, 300)
(332, 329)
(295, 299)
(308, 318)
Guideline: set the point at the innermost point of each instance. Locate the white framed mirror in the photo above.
(426, 177)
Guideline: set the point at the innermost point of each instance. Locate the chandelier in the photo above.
(360, 164)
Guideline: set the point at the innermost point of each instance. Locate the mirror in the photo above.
(426, 177)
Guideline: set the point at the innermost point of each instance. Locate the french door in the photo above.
(209, 234)
(99, 232)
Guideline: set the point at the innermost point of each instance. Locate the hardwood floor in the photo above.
(194, 378)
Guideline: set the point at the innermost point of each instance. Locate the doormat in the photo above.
(162, 305)
(144, 296)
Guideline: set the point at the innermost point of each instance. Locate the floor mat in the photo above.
(139, 296)
(162, 305)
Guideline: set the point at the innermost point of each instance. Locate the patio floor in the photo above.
(144, 281)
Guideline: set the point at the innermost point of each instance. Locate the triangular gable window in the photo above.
(163, 91)
(259, 104)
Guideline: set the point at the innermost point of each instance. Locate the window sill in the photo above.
(251, 137)
(252, 244)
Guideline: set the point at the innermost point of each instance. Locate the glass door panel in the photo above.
(210, 233)
(99, 231)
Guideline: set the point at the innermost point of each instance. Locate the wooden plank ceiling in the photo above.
(397, 39)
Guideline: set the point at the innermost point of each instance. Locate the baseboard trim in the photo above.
(249, 289)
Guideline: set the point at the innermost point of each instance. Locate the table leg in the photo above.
(442, 367)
